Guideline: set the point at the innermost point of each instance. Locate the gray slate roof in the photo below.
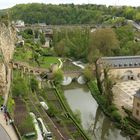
(121, 61)
(137, 94)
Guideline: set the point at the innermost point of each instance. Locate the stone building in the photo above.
(136, 105)
(126, 69)
(122, 67)
(18, 23)
(7, 45)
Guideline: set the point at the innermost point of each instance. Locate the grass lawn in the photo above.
(26, 56)
(45, 62)
(22, 55)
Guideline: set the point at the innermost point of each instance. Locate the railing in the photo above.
(69, 72)
(21, 65)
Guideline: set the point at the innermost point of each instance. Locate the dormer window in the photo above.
(125, 64)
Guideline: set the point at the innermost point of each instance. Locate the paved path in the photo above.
(6, 131)
(3, 134)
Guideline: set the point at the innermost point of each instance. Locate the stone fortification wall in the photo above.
(7, 41)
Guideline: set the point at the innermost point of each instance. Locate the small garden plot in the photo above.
(23, 121)
(23, 55)
(34, 60)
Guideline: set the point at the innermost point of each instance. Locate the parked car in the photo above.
(46, 134)
(44, 105)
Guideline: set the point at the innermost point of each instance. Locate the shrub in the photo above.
(102, 100)
(58, 77)
(34, 84)
(1, 100)
(127, 128)
(116, 116)
(133, 122)
(10, 105)
(27, 125)
(77, 115)
(112, 108)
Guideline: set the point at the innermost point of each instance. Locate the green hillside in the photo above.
(70, 13)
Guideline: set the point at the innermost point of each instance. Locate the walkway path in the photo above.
(3, 134)
(6, 131)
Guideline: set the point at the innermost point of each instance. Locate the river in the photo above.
(97, 125)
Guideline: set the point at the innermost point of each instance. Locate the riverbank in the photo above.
(97, 125)
(111, 111)
(69, 113)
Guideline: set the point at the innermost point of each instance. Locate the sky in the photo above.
(9, 3)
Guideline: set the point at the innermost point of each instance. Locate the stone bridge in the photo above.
(33, 27)
(39, 27)
(27, 69)
(73, 74)
(70, 75)
(48, 32)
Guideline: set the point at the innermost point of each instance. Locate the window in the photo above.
(138, 104)
(137, 112)
(115, 65)
(125, 64)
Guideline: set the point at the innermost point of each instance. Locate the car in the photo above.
(44, 105)
(46, 134)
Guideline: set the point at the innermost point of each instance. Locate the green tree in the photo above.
(93, 54)
(137, 17)
(34, 84)
(124, 34)
(19, 88)
(35, 57)
(58, 77)
(42, 38)
(89, 73)
(108, 85)
(105, 41)
(129, 12)
(119, 21)
(60, 48)
(4, 18)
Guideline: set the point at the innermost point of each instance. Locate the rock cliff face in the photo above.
(7, 41)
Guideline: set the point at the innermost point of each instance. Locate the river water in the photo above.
(97, 125)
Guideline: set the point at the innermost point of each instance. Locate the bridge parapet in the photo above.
(26, 68)
(73, 74)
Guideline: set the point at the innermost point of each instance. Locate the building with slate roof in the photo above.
(122, 67)
(125, 69)
(121, 62)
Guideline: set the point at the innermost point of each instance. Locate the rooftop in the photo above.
(137, 94)
(121, 61)
(124, 92)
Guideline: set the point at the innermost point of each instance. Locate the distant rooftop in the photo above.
(121, 61)
(137, 94)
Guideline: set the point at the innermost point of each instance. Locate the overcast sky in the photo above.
(9, 3)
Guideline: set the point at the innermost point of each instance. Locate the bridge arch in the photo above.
(68, 80)
(81, 80)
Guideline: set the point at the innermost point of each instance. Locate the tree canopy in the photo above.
(105, 41)
(70, 13)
